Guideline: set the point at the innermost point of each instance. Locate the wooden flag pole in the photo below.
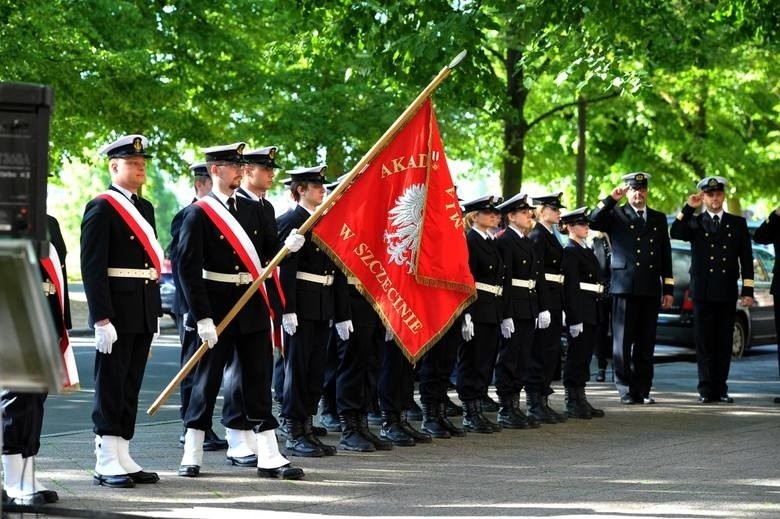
(383, 141)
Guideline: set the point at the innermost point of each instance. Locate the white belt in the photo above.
(315, 278)
(241, 278)
(592, 287)
(493, 289)
(49, 288)
(524, 283)
(557, 278)
(352, 280)
(133, 273)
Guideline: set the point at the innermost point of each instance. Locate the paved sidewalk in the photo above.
(676, 459)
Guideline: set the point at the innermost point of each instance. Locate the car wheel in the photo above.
(740, 343)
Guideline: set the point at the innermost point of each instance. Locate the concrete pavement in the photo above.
(676, 459)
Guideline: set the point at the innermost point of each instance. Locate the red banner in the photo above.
(398, 228)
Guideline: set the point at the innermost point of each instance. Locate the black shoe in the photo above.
(648, 400)
(212, 442)
(330, 422)
(488, 405)
(417, 436)
(414, 413)
(118, 481)
(302, 446)
(285, 472)
(144, 478)
(319, 431)
(627, 400)
(36, 498)
(705, 400)
(50, 496)
(473, 420)
(394, 433)
(375, 418)
(5, 498)
(601, 376)
(725, 399)
(511, 420)
(353, 441)
(452, 408)
(242, 461)
(431, 424)
(189, 471)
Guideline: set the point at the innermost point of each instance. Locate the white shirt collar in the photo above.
(224, 198)
(250, 194)
(517, 231)
(719, 215)
(124, 191)
(637, 209)
(487, 236)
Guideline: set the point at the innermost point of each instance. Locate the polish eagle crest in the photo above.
(403, 238)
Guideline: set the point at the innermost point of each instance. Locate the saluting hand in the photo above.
(695, 200)
(618, 193)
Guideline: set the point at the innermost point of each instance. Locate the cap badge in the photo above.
(137, 145)
(713, 182)
(639, 178)
(272, 153)
(240, 149)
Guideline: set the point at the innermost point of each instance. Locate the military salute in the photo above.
(641, 268)
(120, 266)
(720, 253)
(769, 233)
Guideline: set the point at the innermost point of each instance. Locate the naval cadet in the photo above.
(642, 279)
(769, 233)
(720, 254)
(120, 266)
(224, 241)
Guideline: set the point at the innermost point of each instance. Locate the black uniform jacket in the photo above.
(55, 238)
(769, 232)
(487, 267)
(307, 299)
(522, 262)
(203, 247)
(641, 253)
(132, 304)
(580, 265)
(716, 256)
(179, 304)
(550, 252)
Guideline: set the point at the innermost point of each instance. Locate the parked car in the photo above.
(752, 326)
(167, 288)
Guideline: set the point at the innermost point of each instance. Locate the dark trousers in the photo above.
(714, 334)
(334, 352)
(437, 364)
(278, 376)
(249, 382)
(603, 337)
(396, 380)
(352, 375)
(22, 422)
(777, 328)
(306, 352)
(634, 320)
(514, 358)
(545, 355)
(189, 344)
(118, 378)
(576, 368)
(476, 358)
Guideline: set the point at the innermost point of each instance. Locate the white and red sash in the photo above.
(237, 238)
(138, 224)
(53, 269)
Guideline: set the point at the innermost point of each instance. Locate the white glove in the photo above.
(467, 329)
(507, 327)
(544, 319)
(575, 330)
(388, 335)
(290, 323)
(105, 337)
(343, 328)
(294, 242)
(157, 333)
(207, 331)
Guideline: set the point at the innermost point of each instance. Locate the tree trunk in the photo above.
(581, 125)
(515, 125)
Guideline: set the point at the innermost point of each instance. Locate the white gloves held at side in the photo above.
(467, 328)
(507, 328)
(290, 323)
(575, 330)
(294, 242)
(543, 320)
(105, 337)
(344, 328)
(207, 331)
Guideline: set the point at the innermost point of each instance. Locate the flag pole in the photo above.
(383, 141)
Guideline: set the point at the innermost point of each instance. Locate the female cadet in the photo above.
(482, 319)
(582, 287)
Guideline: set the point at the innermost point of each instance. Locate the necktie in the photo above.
(134, 199)
(232, 206)
(641, 214)
(716, 221)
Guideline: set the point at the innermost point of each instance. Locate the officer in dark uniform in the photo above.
(582, 286)
(123, 295)
(310, 281)
(546, 351)
(188, 337)
(23, 412)
(524, 272)
(214, 278)
(769, 233)
(641, 273)
(603, 349)
(482, 319)
(720, 252)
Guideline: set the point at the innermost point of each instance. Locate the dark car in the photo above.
(752, 326)
(167, 288)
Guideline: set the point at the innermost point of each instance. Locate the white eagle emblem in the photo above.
(406, 222)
